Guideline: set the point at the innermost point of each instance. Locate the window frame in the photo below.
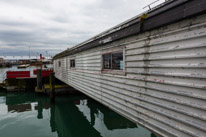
(113, 51)
(59, 64)
(72, 67)
(67, 62)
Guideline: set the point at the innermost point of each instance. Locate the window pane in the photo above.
(72, 63)
(117, 61)
(107, 61)
(59, 64)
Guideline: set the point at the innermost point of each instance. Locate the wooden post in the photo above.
(39, 79)
(52, 86)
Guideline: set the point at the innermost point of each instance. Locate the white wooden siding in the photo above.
(164, 87)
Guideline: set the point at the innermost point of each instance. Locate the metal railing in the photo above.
(158, 5)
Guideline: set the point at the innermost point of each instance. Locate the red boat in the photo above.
(44, 72)
(18, 74)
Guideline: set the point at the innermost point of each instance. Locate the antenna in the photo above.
(46, 53)
(29, 52)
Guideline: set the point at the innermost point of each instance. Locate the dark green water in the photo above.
(31, 115)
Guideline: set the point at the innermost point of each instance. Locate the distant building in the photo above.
(1, 60)
(19, 58)
(24, 59)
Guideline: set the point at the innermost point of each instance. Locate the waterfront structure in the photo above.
(1, 60)
(150, 69)
(24, 59)
(14, 59)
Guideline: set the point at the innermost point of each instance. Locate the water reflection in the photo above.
(19, 108)
(67, 116)
(70, 116)
(111, 119)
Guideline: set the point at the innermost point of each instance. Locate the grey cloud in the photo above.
(53, 25)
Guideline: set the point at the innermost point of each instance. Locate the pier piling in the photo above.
(52, 86)
(39, 79)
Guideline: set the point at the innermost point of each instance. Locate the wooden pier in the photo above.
(59, 89)
(2, 84)
(16, 81)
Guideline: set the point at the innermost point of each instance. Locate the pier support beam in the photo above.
(39, 79)
(52, 86)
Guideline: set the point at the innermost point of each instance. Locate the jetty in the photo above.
(17, 81)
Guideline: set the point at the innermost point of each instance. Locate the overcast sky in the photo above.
(51, 26)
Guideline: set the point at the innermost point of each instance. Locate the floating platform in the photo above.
(23, 66)
(59, 89)
(20, 84)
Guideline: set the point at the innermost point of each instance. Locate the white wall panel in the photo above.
(164, 86)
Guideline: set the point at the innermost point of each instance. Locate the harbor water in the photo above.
(31, 115)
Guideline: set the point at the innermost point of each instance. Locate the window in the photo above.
(113, 61)
(59, 63)
(72, 63)
(107, 61)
